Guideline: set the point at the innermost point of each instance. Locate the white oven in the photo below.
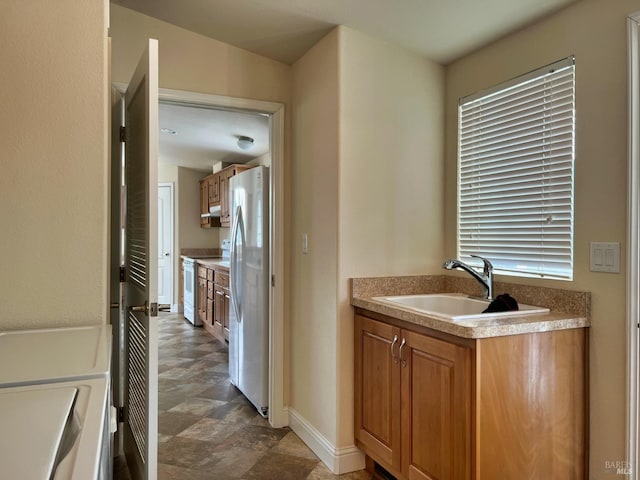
(190, 289)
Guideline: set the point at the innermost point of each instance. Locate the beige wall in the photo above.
(314, 175)
(595, 31)
(390, 177)
(195, 63)
(54, 178)
(368, 189)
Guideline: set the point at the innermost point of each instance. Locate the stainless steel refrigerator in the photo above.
(249, 285)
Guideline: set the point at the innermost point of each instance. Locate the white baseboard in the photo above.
(338, 460)
(176, 308)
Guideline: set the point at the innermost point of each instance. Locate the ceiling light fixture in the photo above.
(245, 143)
(168, 131)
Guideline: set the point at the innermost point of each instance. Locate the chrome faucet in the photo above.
(485, 278)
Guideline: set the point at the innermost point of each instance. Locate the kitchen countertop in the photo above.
(214, 263)
(576, 306)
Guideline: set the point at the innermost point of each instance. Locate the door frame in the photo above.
(172, 235)
(278, 413)
(633, 245)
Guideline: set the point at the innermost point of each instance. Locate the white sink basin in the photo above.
(455, 307)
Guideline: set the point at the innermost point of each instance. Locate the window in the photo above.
(515, 174)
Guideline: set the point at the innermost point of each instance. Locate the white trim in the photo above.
(175, 308)
(338, 460)
(277, 411)
(633, 240)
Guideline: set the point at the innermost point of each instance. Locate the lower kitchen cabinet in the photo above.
(221, 317)
(433, 406)
(202, 294)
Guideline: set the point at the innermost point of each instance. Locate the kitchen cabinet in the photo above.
(213, 185)
(204, 203)
(225, 176)
(202, 293)
(412, 401)
(221, 314)
(214, 191)
(430, 405)
(209, 196)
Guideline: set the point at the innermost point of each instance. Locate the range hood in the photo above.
(214, 211)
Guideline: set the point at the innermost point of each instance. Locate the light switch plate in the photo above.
(305, 243)
(605, 257)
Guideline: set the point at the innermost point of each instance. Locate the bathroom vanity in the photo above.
(486, 398)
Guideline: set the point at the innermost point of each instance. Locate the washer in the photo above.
(40, 362)
(53, 431)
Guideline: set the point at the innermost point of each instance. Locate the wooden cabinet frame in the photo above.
(510, 407)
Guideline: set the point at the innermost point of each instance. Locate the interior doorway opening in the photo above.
(275, 111)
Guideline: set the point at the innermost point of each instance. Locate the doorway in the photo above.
(278, 416)
(165, 247)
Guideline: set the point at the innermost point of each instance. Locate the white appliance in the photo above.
(54, 431)
(190, 291)
(62, 364)
(249, 285)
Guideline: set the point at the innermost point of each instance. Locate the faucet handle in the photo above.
(488, 266)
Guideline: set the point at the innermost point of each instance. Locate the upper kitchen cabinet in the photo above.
(209, 196)
(225, 176)
(214, 191)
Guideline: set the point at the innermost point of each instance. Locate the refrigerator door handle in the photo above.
(237, 243)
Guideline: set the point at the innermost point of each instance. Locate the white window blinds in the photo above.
(515, 173)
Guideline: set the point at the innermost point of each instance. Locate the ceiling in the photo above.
(441, 30)
(204, 136)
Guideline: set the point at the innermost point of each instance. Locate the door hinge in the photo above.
(120, 414)
(123, 134)
(273, 280)
(122, 274)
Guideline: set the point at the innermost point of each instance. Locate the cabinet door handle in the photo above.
(393, 356)
(403, 362)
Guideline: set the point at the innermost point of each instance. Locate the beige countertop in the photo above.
(569, 309)
(214, 263)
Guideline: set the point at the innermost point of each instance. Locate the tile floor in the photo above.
(207, 429)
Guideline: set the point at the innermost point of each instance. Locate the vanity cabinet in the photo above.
(430, 405)
(412, 401)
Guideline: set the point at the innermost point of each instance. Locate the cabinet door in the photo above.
(224, 199)
(214, 189)
(219, 305)
(377, 383)
(225, 314)
(202, 299)
(204, 203)
(436, 409)
(209, 311)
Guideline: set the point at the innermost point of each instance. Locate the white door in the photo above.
(141, 266)
(165, 244)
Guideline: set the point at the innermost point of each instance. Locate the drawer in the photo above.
(222, 279)
(202, 272)
(210, 274)
(210, 290)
